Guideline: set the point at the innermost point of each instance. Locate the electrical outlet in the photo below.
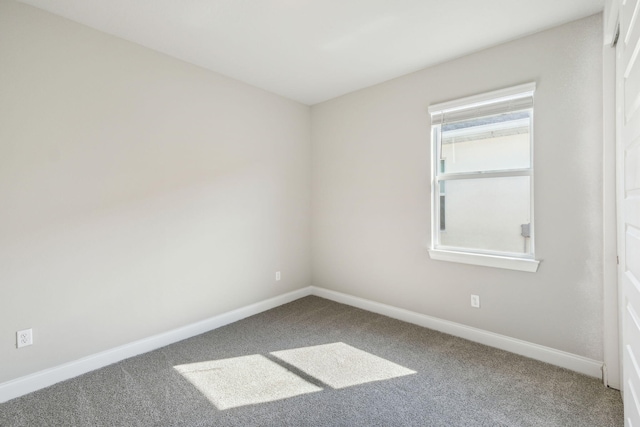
(24, 338)
(277, 275)
(475, 301)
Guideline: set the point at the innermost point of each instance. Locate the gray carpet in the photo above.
(314, 362)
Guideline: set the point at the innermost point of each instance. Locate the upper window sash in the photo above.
(507, 123)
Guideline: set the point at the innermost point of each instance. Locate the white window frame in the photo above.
(488, 258)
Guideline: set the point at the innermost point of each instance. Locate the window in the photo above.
(482, 179)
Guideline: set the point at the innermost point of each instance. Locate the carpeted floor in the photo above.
(314, 362)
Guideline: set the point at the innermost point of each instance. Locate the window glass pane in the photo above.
(487, 213)
(486, 143)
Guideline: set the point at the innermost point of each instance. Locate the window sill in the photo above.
(509, 263)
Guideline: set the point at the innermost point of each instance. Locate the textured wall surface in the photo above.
(138, 193)
(371, 193)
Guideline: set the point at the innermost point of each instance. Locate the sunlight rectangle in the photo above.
(245, 380)
(339, 365)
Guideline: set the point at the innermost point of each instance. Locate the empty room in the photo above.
(319, 213)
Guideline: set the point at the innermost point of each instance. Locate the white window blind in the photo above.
(488, 104)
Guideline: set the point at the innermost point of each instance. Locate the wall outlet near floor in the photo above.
(277, 275)
(24, 338)
(475, 301)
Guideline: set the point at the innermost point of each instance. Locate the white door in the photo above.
(628, 164)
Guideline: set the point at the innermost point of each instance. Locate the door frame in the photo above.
(612, 301)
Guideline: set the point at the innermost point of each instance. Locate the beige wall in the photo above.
(371, 186)
(138, 193)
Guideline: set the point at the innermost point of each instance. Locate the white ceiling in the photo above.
(314, 50)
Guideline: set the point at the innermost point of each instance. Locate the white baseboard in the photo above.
(38, 380)
(583, 365)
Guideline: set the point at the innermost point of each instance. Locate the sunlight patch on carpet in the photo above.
(245, 380)
(339, 365)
